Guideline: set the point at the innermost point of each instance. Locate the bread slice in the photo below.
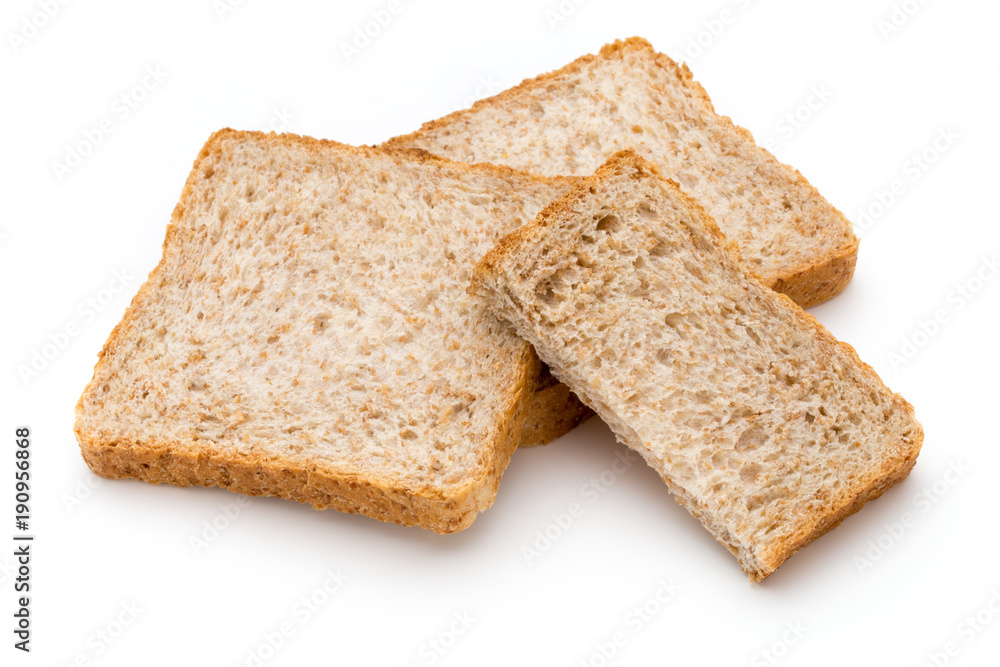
(763, 426)
(629, 96)
(308, 334)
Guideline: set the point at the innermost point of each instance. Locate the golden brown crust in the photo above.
(553, 411)
(193, 462)
(894, 469)
(172, 463)
(812, 285)
(808, 283)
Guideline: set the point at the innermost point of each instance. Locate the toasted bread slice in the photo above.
(629, 96)
(763, 426)
(308, 334)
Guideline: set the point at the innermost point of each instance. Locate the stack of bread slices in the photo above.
(377, 329)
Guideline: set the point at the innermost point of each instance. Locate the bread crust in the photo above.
(808, 284)
(895, 468)
(199, 462)
(189, 463)
(553, 412)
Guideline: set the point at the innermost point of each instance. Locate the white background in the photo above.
(886, 97)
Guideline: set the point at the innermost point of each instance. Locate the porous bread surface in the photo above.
(764, 426)
(308, 334)
(631, 97)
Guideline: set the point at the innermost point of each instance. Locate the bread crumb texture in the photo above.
(308, 334)
(631, 97)
(763, 426)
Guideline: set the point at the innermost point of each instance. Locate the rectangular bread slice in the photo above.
(763, 426)
(308, 334)
(629, 96)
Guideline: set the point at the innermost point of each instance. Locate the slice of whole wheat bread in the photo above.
(629, 96)
(763, 426)
(308, 335)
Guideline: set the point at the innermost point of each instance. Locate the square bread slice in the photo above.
(763, 426)
(629, 96)
(308, 334)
